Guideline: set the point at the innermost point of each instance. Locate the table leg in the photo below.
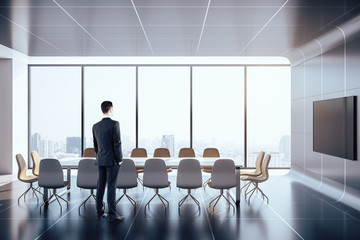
(68, 176)
(237, 172)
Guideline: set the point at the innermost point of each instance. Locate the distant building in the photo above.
(168, 141)
(73, 145)
(36, 142)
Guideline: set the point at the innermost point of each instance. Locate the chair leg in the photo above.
(34, 190)
(57, 199)
(206, 183)
(132, 201)
(193, 198)
(161, 198)
(27, 190)
(218, 198)
(91, 195)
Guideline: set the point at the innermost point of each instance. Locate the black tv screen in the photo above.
(334, 122)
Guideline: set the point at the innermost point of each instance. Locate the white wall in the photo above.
(13, 108)
(6, 116)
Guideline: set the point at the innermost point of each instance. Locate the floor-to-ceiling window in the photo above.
(268, 114)
(170, 106)
(218, 110)
(55, 112)
(164, 108)
(116, 84)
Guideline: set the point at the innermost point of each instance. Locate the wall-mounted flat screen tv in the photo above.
(334, 122)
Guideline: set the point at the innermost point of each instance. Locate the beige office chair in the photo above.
(156, 176)
(22, 176)
(126, 179)
(255, 180)
(139, 153)
(186, 153)
(209, 153)
(36, 163)
(89, 152)
(257, 172)
(162, 153)
(51, 176)
(222, 177)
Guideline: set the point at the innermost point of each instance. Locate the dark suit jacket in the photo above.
(107, 142)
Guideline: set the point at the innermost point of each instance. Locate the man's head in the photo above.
(106, 107)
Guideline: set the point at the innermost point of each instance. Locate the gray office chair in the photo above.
(189, 177)
(186, 153)
(51, 176)
(222, 177)
(162, 153)
(209, 153)
(255, 180)
(22, 176)
(127, 179)
(89, 152)
(156, 176)
(87, 177)
(257, 172)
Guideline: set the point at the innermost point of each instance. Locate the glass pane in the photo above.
(116, 84)
(268, 114)
(164, 108)
(55, 114)
(218, 111)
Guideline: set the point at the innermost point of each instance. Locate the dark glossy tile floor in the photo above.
(294, 212)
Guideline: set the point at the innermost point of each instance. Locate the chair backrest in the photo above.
(223, 174)
(189, 174)
(211, 152)
(186, 153)
(22, 167)
(259, 162)
(162, 153)
(139, 152)
(88, 174)
(36, 163)
(155, 173)
(127, 177)
(265, 168)
(89, 152)
(51, 174)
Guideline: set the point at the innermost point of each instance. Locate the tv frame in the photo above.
(349, 130)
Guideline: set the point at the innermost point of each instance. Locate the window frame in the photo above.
(136, 95)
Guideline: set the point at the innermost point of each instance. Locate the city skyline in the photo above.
(70, 148)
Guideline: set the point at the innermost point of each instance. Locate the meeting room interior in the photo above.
(238, 118)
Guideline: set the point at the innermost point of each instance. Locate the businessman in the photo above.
(107, 144)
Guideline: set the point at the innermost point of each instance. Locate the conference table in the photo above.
(140, 163)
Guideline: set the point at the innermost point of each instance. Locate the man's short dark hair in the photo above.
(106, 106)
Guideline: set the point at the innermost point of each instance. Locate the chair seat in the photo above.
(169, 169)
(28, 179)
(245, 173)
(139, 169)
(221, 187)
(158, 185)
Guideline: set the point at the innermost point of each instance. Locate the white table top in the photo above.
(140, 162)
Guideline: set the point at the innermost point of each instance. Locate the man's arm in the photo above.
(94, 140)
(117, 142)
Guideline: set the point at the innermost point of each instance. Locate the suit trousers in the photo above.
(107, 175)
